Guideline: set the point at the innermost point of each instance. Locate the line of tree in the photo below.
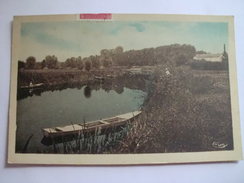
(176, 54)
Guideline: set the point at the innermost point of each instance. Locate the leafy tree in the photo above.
(119, 50)
(30, 62)
(72, 62)
(169, 54)
(180, 60)
(43, 63)
(51, 62)
(87, 64)
(105, 53)
(80, 65)
(95, 62)
(67, 62)
(107, 62)
(106, 57)
(78, 59)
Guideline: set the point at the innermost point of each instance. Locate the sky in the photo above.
(80, 38)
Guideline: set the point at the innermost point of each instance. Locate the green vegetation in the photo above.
(30, 62)
(177, 54)
(187, 111)
(91, 143)
(110, 62)
(52, 77)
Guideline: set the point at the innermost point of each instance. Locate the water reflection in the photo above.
(24, 93)
(115, 84)
(87, 92)
(60, 107)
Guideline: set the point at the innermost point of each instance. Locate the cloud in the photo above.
(118, 28)
(40, 35)
(77, 38)
(138, 26)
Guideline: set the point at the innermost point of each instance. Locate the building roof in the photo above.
(218, 57)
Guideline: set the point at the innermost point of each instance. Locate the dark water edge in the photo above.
(139, 82)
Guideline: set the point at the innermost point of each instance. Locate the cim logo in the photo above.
(96, 16)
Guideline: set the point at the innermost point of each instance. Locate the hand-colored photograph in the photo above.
(118, 87)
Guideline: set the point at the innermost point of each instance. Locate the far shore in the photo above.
(53, 77)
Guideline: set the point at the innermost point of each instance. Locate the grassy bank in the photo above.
(187, 111)
(53, 77)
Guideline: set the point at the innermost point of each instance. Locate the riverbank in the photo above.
(187, 111)
(58, 79)
(54, 77)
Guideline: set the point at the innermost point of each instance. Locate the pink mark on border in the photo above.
(96, 16)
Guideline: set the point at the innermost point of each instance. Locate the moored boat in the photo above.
(90, 126)
(32, 86)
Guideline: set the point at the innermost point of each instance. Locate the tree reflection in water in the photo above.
(87, 92)
(116, 84)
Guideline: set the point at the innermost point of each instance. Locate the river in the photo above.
(69, 106)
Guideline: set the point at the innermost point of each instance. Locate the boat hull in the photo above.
(91, 127)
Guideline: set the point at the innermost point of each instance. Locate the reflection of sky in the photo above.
(70, 106)
(73, 105)
(66, 39)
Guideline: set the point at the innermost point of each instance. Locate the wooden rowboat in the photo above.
(90, 126)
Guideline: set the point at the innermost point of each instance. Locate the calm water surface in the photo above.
(57, 108)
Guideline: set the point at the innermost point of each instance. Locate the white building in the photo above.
(217, 57)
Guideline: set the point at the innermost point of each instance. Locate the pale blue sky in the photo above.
(78, 38)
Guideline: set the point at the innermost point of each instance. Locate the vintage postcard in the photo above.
(112, 89)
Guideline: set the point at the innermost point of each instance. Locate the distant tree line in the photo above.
(176, 54)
